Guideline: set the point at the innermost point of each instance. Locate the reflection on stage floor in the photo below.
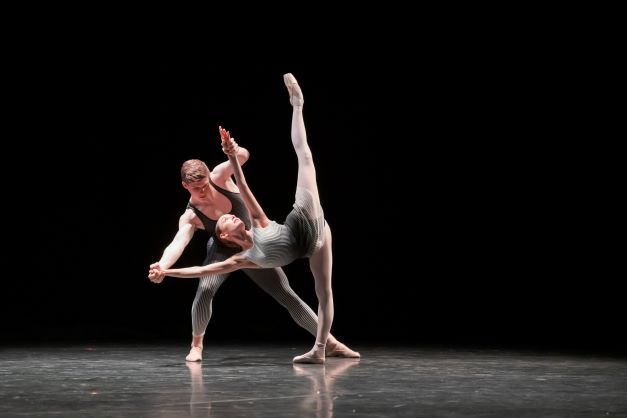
(248, 380)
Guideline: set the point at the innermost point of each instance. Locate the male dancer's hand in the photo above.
(156, 273)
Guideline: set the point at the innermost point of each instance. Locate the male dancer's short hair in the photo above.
(194, 170)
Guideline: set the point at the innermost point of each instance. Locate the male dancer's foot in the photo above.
(296, 95)
(314, 356)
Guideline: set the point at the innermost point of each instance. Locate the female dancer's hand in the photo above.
(229, 146)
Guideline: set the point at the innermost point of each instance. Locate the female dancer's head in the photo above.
(230, 230)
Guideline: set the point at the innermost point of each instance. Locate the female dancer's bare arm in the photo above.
(230, 148)
(232, 263)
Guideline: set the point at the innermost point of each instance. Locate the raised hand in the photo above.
(224, 134)
(229, 146)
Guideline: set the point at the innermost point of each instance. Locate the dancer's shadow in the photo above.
(199, 401)
(322, 385)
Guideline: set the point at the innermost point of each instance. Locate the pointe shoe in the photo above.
(195, 354)
(296, 95)
(310, 357)
(341, 350)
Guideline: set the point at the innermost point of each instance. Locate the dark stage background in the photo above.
(452, 224)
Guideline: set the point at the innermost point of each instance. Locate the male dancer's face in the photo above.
(198, 189)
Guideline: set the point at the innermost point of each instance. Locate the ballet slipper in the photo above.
(195, 354)
(296, 95)
(341, 350)
(313, 356)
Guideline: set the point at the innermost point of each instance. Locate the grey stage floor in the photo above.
(260, 381)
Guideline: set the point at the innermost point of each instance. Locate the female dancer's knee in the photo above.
(324, 293)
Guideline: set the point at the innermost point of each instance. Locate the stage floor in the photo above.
(249, 380)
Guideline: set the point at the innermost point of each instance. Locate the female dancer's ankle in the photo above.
(319, 349)
(197, 340)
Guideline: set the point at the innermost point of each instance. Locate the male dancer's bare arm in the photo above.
(175, 249)
(224, 170)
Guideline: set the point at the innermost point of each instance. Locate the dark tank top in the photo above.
(215, 250)
(238, 208)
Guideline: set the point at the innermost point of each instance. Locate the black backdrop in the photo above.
(451, 223)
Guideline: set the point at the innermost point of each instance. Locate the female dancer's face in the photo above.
(230, 225)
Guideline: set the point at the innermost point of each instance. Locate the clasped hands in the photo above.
(229, 146)
(156, 274)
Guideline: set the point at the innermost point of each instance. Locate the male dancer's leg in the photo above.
(274, 281)
(202, 307)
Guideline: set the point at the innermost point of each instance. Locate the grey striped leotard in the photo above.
(302, 233)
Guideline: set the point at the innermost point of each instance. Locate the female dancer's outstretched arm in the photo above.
(235, 262)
